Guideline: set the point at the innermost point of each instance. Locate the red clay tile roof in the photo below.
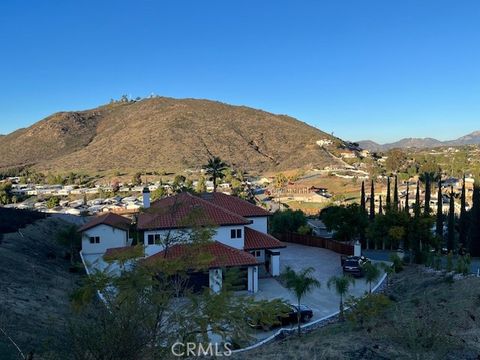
(255, 240)
(112, 253)
(109, 219)
(222, 255)
(185, 210)
(235, 205)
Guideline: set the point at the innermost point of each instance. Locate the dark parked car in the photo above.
(287, 318)
(352, 265)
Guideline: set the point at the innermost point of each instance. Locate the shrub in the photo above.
(365, 309)
(304, 230)
(397, 262)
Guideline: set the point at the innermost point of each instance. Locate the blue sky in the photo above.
(361, 69)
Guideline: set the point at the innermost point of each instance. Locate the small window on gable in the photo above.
(94, 239)
(236, 233)
(150, 239)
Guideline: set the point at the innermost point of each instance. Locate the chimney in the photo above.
(146, 197)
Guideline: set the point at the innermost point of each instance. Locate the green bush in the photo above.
(365, 309)
(287, 221)
(397, 262)
(304, 230)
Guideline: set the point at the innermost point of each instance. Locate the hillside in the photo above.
(430, 317)
(35, 285)
(421, 143)
(165, 134)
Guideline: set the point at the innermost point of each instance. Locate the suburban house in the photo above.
(105, 232)
(240, 238)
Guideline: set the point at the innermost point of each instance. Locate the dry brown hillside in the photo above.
(165, 134)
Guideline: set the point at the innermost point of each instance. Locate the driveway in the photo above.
(326, 264)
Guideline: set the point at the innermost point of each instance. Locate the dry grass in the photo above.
(165, 134)
(35, 284)
(429, 318)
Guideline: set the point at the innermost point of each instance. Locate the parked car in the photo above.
(287, 318)
(352, 265)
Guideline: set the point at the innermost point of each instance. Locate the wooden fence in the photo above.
(315, 241)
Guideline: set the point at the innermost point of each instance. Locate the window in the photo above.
(236, 233)
(153, 239)
(258, 253)
(94, 239)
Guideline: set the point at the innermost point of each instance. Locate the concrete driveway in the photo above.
(326, 263)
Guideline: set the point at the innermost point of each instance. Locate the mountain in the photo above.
(165, 134)
(472, 138)
(421, 143)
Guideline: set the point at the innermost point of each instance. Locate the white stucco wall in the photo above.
(275, 265)
(222, 234)
(253, 279)
(174, 236)
(259, 224)
(109, 238)
(260, 258)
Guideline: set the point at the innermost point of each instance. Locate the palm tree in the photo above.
(215, 168)
(299, 283)
(372, 273)
(341, 284)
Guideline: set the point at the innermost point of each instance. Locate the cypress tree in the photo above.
(407, 207)
(474, 240)
(362, 197)
(380, 210)
(372, 202)
(388, 202)
(364, 213)
(439, 221)
(463, 217)
(426, 210)
(417, 200)
(395, 194)
(451, 223)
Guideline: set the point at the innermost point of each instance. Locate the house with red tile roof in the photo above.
(239, 228)
(105, 232)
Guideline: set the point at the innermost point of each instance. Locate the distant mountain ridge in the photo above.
(421, 143)
(165, 134)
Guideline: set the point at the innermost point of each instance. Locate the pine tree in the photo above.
(439, 221)
(362, 197)
(426, 210)
(463, 217)
(372, 202)
(395, 194)
(474, 234)
(417, 200)
(407, 207)
(380, 210)
(451, 222)
(388, 200)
